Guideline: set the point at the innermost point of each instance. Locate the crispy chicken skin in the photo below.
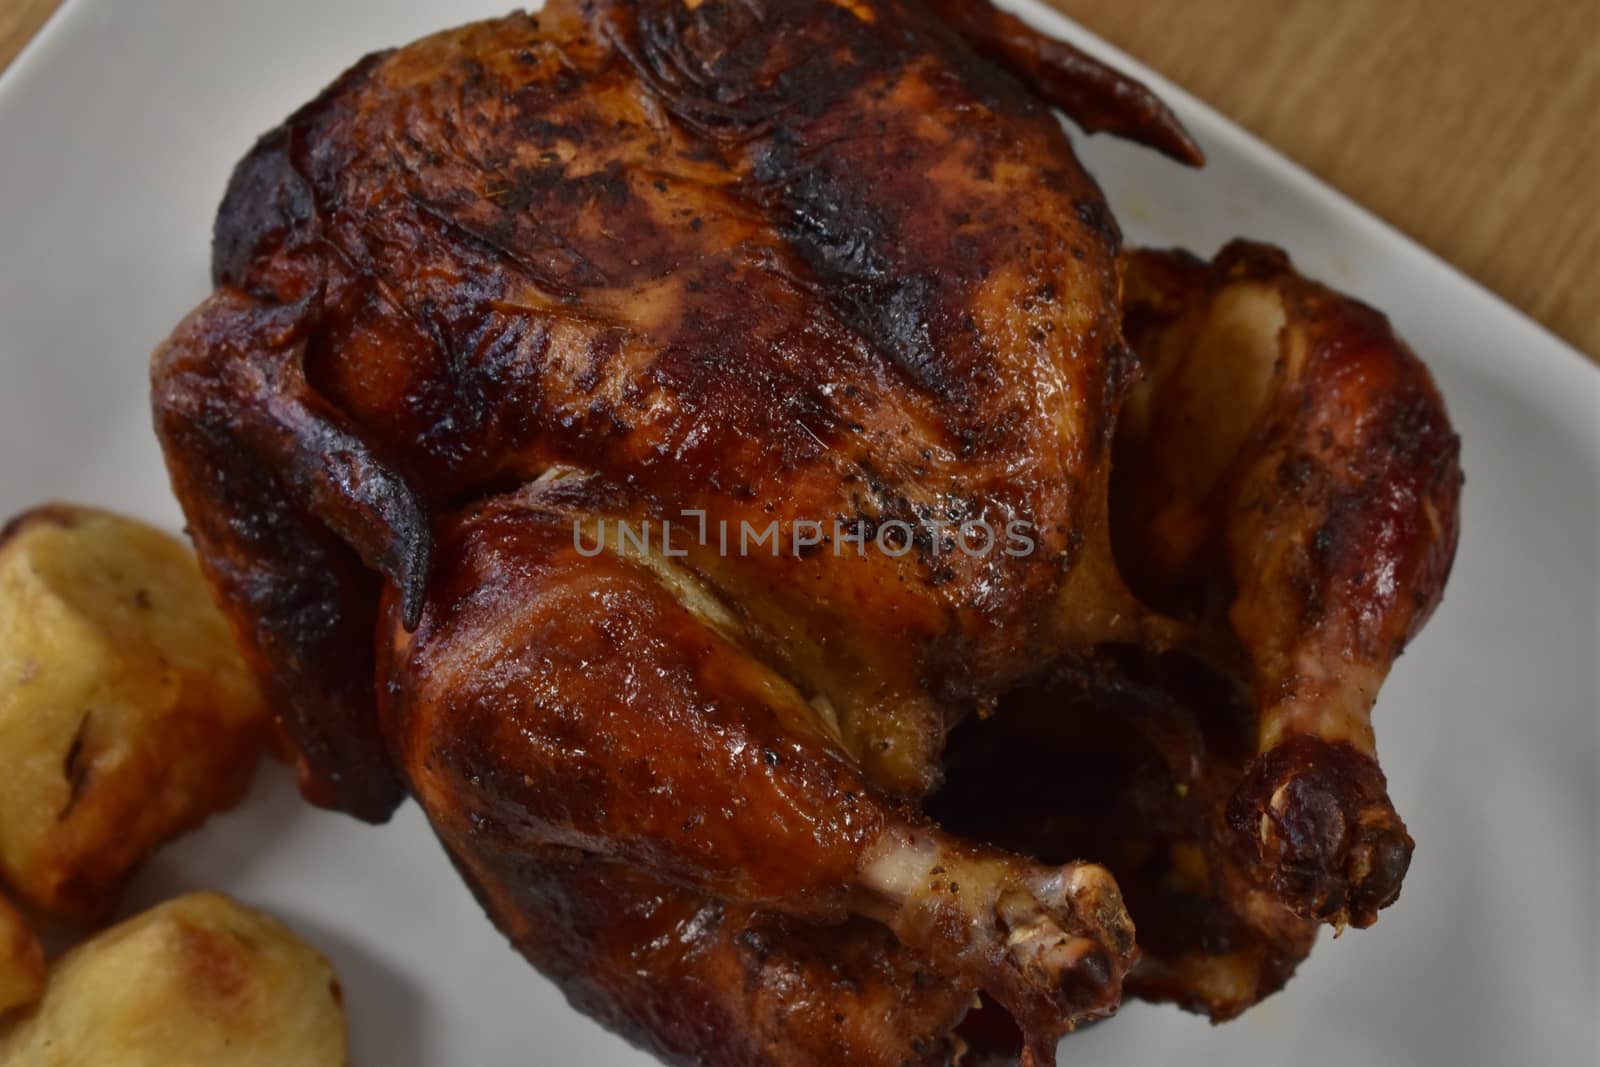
(811, 265)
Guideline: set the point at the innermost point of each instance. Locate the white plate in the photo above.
(117, 131)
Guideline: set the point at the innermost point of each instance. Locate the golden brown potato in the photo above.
(126, 712)
(200, 981)
(21, 961)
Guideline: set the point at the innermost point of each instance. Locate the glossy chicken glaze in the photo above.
(805, 262)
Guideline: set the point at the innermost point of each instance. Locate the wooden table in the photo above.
(1474, 125)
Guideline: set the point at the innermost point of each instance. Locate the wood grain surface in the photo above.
(1473, 125)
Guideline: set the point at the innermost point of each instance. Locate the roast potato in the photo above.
(21, 961)
(200, 981)
(127, 714)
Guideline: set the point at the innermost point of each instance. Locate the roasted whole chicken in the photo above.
(718, 458)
